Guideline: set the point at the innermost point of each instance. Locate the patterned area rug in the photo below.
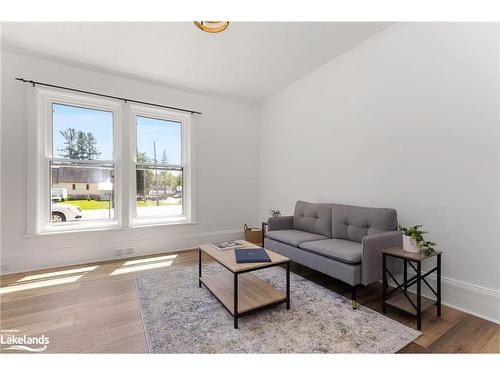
(180, 317)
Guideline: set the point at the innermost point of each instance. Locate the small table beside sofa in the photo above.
(413, 303)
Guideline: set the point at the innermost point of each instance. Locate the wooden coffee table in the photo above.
(242, 292)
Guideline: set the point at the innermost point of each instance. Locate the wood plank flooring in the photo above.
(93, 308)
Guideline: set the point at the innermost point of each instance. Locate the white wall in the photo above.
(409, 120)
(226, 169)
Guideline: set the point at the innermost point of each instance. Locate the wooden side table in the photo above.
(410, 302)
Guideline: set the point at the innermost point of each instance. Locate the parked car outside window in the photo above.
(64, 212)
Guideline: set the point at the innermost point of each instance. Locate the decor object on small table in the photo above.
(411, 302)
(275, 213)
(253, 235)
(413, 241)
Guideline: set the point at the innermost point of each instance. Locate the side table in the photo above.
(410, 302)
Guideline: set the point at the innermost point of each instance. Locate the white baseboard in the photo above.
(99, 252)
(466, 297)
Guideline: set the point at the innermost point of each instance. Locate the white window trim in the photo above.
(40, 150)
(39, 132)
(187, 139)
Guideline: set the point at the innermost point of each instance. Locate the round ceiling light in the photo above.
(212, 26)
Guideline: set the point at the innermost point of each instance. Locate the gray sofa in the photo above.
(342, 241)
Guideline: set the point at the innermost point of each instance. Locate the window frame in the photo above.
(39, 132)
(42, 142)
(185, 120)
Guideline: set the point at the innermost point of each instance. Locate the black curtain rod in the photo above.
(108, 96)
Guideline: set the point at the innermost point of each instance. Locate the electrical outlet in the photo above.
(118, 252)
(129, 250)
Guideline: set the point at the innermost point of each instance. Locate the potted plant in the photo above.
(414, 242)
(275, 213)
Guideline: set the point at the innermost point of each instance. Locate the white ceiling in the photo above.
(250, 60)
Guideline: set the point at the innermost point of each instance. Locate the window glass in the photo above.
(81, 133)
(82, 188)
(158, 141)
(159, 192)
(159, 174)
(81, 193)
(81, 185)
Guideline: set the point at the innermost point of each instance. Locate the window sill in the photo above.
(93, 227)
(154, 222)
(76, 228)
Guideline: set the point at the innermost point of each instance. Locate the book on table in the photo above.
(227, 245)
(251, 255)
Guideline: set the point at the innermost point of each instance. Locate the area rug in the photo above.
(180, 317)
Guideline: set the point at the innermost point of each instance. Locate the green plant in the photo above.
(275, 213)
(418, 235)
(428, 247)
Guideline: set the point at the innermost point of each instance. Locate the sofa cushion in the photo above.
(313, 217)
(343, 250)
(349, 273)
(293, 237)
(353, 223)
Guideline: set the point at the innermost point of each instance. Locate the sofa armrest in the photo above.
(280, 223)
(371, 258)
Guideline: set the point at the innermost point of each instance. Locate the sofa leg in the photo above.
(353, 298)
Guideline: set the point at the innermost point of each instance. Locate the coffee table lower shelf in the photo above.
(253, 293)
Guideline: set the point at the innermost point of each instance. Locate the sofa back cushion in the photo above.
(353, 223)
(313, 218)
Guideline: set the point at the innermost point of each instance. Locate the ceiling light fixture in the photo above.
(212, 26)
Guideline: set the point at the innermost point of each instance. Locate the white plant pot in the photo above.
(410, 245)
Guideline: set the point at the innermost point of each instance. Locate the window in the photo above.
(77, 157)
(82, 152)
(161, 165)
(73, 140)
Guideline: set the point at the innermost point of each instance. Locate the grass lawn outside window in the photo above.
(85, 204)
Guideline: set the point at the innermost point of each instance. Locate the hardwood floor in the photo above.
(93, 308)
